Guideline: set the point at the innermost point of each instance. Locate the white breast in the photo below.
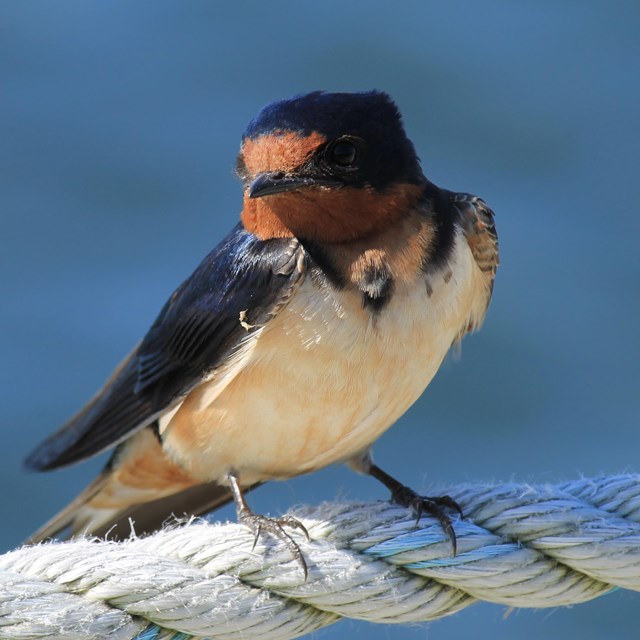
(326, 377)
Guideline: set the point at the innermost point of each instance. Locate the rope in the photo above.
(520, 545)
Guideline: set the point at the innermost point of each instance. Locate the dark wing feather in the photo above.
(236, 289)
(476, 219)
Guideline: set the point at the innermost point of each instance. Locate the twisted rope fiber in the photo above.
(520, 545)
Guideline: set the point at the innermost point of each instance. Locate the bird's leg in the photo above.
(433, 505)
(259, 524)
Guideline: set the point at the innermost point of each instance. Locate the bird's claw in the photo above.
(275, 526)
(433, 505)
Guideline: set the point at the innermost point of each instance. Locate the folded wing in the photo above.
(234, 292)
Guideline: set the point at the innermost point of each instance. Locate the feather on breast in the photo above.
(326, 377)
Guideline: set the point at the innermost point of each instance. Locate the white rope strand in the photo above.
(520, 545)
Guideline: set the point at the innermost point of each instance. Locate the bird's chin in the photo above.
(327, 215)
(265, 217)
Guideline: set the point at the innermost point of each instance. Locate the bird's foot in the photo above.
(405, 497)
(433, 505)
(275, 526)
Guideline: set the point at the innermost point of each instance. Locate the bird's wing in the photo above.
(476, 220)
(207, 322)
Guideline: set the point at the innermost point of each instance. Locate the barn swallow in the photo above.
(313, 326)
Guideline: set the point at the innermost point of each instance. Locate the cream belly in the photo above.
(326, 378)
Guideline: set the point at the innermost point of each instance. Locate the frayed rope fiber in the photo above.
(519, 545)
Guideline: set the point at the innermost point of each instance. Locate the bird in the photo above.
(302, 337)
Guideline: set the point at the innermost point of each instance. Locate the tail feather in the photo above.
(138, 491)
(141, 519)
(68, 517)
(144, 519)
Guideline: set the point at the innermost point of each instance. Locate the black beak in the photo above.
(267, 184)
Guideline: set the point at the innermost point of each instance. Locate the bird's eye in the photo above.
(344, 153)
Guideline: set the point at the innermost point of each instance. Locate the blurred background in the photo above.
(119, 126)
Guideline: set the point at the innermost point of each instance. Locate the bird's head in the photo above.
(327, 167)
